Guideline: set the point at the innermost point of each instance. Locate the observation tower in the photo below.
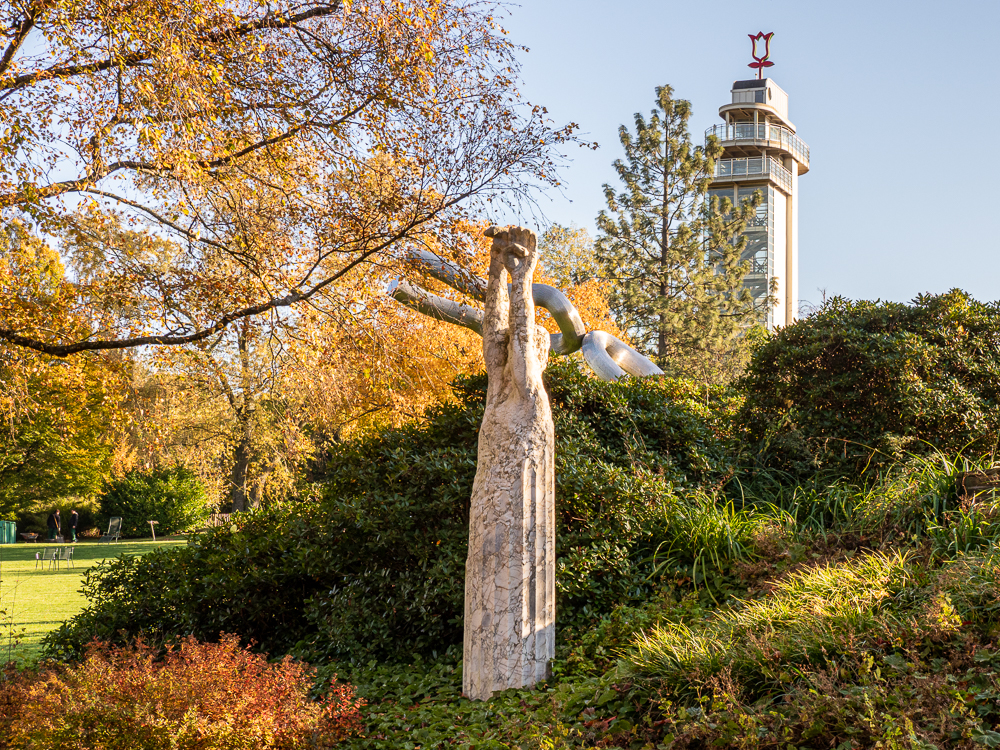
(762, 152)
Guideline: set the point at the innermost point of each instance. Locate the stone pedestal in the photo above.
(510, 572)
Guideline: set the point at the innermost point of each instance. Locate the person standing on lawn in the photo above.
(74, 517)
(53, 525)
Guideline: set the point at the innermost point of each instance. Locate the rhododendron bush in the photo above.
(197, 695)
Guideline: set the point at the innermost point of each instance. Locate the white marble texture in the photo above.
(510, 572)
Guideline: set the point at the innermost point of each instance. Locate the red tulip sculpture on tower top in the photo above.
(760, 61)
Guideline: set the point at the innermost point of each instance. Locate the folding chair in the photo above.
(49, 555)
(67, 556)
(114, 530)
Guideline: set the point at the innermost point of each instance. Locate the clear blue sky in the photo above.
(898, 101)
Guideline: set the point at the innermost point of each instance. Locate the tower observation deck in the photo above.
(762, 152)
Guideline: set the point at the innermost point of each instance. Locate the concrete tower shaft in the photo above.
(761, 151)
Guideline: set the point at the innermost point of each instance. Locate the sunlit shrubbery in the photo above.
(707, 589)
(375, 567)
(204, 696)
(862, 384)
(174, 497)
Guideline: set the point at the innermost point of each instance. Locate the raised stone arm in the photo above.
(449, 273)
(611, 358)
(571, 327)
(496, 317)
(527, 343)
(434, 306)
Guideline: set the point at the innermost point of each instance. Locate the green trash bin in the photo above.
(8, 532)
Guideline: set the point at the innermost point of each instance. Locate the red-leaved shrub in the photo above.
(209, 696)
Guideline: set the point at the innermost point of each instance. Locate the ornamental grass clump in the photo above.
(910, 500)
(972, 582)
(703, 530)
(209, 696)
(822, 609)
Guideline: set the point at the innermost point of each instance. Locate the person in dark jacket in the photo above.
(53, 525)
(74, 518)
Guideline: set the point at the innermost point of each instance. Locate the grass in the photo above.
(811, 611)
(35, 599)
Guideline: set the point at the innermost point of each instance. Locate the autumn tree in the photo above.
(673, 258)
(347, 384)
(567, 255)
(57, 430)
(239, 370)
(282, 148)
(252, 409)
(172, 419)
(249, 408)
(58, 418)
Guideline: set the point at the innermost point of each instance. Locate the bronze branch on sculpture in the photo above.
(609, 357)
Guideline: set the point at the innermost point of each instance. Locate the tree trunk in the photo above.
(241, 464)
(510, 571)
(243, 405)
(661, 338)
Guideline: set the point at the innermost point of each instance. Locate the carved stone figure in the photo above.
(510, 572)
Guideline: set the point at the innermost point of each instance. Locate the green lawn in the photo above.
(36, 598)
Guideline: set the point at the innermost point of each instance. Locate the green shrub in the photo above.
(375, 567)
(174, 497)
(197, 696)
(31, 522)
(862, 384)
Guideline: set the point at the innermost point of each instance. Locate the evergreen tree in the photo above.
(673, 256)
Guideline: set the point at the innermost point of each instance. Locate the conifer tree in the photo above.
(673, 257)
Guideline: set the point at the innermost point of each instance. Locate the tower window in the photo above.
(743, 97)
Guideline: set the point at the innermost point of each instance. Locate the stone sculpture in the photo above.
(510, 571)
